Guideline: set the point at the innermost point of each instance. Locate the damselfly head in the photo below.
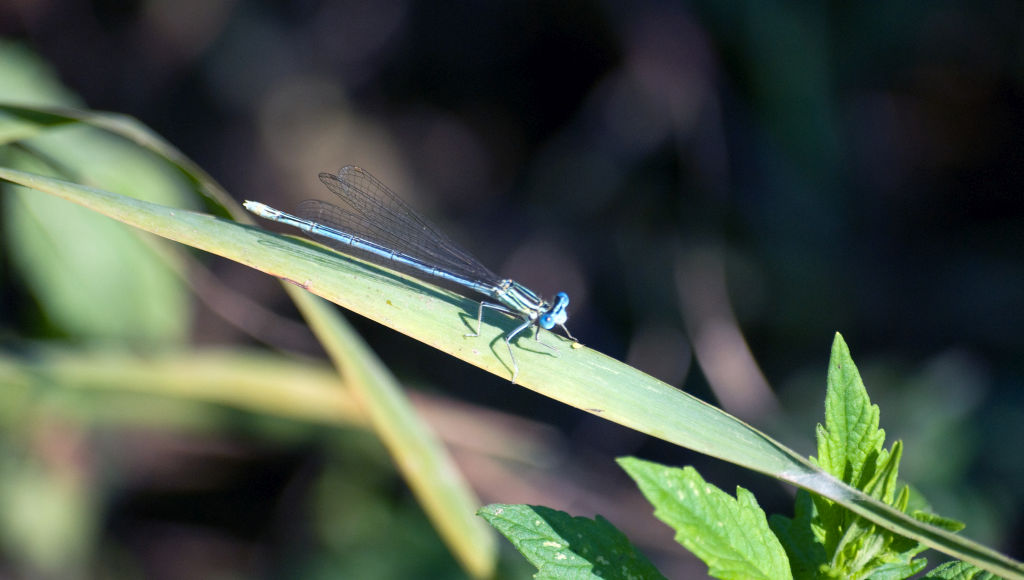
(557, 313)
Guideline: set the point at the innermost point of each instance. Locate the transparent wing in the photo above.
(368, 209)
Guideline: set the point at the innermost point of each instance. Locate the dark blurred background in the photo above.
(719, 186)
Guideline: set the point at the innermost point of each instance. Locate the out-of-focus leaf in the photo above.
(106, 283)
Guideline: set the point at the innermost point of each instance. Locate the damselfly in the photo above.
(373, 223)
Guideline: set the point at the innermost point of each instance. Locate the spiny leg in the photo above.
(567, 333)
(480, 315)
(508, 343)
(508, 338)
(536, 338)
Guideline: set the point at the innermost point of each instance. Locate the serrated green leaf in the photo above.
(850, 448)
(563, 546)
(731, 535)
(801, 537)
(897, 570)
(850, 441)
(959, 571)
(867, 551)
(938, 521)
(902, 499)
(882, 485)
(863, 548)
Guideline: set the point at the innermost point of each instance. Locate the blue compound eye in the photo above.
(557, 314)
